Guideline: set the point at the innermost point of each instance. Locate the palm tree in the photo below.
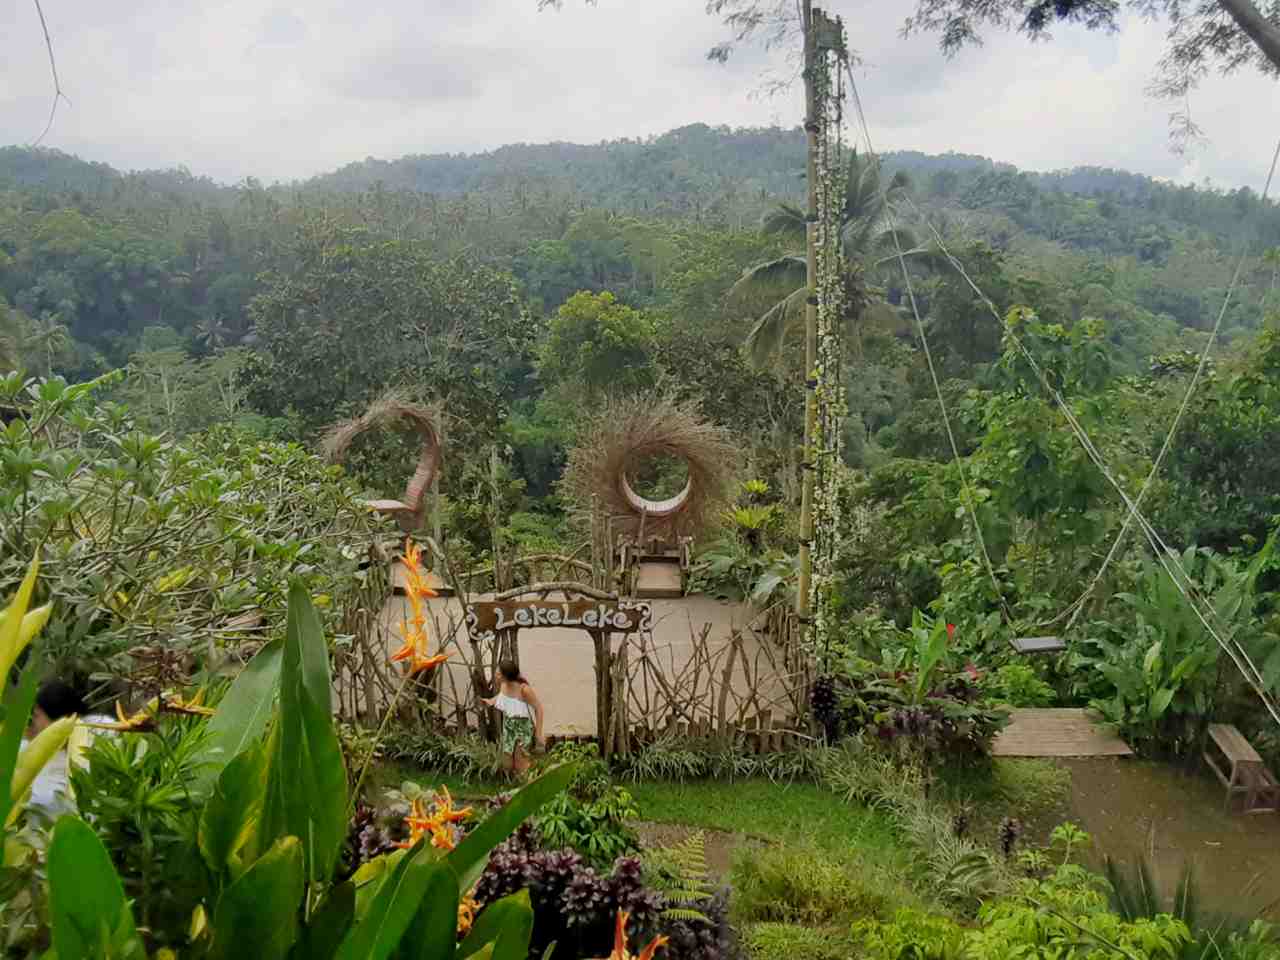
(11, 330)
(864, 232)
(212, 333)
(1271, 258)
(49, 334)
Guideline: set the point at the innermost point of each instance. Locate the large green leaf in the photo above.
(243, 713)
(507, 924)
(329, 924)
(307, 784)
(18, 702)
(18, 626)
(1271, 669)
(470, 856)
(1151, 661)
(88, 913)
(233, 815)
(433, 934)
(419, 878)
(257, 916)
(1160, 702)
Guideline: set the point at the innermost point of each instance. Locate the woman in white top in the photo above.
(51, 791)
(521, 717)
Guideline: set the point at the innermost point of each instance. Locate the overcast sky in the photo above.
(235, 88)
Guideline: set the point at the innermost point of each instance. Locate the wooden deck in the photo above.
(1058, 733)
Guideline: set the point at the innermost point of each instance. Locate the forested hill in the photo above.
(684, 169)
(91, 257)
(698, 171)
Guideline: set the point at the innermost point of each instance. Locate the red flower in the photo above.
(951, 631)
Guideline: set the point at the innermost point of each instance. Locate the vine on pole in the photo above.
(823, 443)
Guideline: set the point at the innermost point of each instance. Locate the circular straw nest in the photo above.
(388, 408)
(626, 431)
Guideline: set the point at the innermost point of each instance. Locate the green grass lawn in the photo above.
(796, 814)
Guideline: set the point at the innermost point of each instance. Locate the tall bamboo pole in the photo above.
(803, 611)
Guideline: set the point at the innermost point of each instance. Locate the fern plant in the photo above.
(679, 872)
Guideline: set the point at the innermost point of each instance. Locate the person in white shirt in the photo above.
(521, 717)
(50, 791)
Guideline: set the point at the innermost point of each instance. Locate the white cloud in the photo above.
(296, 88)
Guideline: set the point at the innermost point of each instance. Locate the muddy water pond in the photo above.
(1134, 808)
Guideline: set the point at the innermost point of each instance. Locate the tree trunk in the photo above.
(437, 519)
(803, 610)
(1260, 30)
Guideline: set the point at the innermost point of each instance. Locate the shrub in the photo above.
(135, 790)
(803, 885)
(952, 867)
(573, 905)
(785, 941)
(1018, 685)
(1065, 916)
(591, 816)
(950, 716)
(152, 541)
(915, 699)
(911, 935)
(682, 759)
(468, 757)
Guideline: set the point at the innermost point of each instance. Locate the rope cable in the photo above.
(1166, 557)
(1078, 606)
(1182, 581)
(928, 355)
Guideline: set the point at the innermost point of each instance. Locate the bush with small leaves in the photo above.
(1018, 685)
(786, 941)
(804, 885)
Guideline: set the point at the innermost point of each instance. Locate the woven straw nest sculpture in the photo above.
(626, 433)
(390, 408)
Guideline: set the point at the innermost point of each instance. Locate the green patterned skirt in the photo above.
(516, 732)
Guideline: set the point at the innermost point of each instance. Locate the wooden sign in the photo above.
(487, 618)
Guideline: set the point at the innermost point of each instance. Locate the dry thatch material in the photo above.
(627, 431)
(388, 408)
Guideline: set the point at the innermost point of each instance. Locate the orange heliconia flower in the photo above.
(144, 721)
(620, 943)
(414, 628)
(193, 708)
(439, 823)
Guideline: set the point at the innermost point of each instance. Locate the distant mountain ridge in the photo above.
(658, 171)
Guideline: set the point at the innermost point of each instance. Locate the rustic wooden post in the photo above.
(620, 704)
(599, 640)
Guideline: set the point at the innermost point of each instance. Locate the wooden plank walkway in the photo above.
(1058, 732)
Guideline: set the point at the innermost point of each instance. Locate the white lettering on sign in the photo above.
(617, 615)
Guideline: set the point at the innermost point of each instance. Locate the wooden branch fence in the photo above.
(748, 686)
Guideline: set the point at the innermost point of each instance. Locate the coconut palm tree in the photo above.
(11, 335)
(1271, 258)
(212, 333)
(50, 335)
(865, 238)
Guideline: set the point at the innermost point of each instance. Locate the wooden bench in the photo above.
(1247, 774)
